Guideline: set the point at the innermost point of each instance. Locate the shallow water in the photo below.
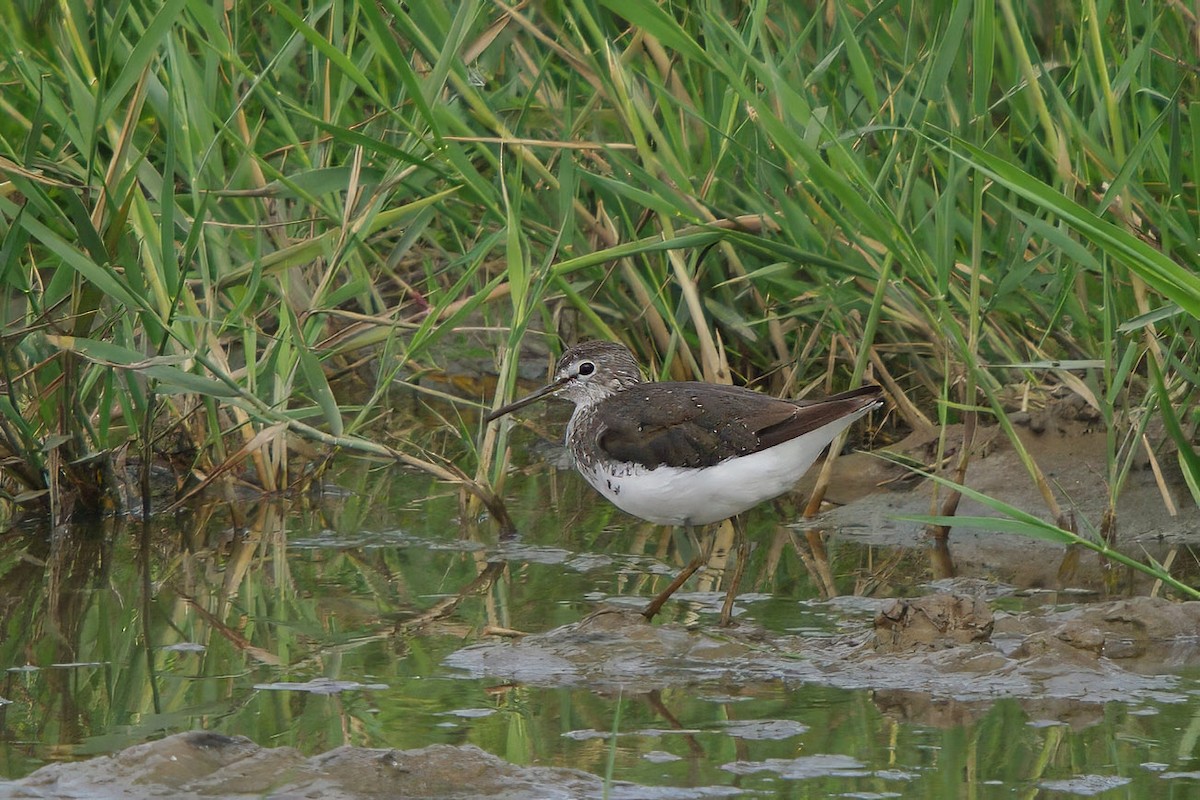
(344, 621)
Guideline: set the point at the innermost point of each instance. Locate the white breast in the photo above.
(679, 496)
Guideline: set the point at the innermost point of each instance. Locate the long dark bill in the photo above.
(545, 391)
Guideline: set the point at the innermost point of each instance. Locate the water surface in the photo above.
(330, 621)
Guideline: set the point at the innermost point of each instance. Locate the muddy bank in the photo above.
(199, 766)
(1154, 513)
(937, 649)
(942, 647)
(938, 660)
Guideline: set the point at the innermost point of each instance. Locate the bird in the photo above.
(687, 453)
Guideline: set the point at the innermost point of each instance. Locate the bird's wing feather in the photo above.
(819, 413)
(670, 424)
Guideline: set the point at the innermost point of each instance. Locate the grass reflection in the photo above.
(172, 625)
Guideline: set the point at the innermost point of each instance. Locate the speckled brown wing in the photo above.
(699, 425)
(819, 413)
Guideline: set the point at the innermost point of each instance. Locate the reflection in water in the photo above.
(173, 626)
(940, 562)
(47, 595)
(481, 584)
(813, 555)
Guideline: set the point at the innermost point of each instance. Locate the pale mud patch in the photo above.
(943, 647)
(871, 496)
(938, 660)
(201, 766)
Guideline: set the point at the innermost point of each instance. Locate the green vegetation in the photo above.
(212, 214)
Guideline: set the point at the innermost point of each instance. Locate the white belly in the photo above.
(678, 496)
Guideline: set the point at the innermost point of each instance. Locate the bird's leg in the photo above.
(743, 555)
(702, 556)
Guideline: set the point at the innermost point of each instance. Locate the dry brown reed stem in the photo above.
(444, 608)
(913, 416)
(813, 507)
(950, 504)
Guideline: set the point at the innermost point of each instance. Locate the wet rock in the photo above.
(1150, 630)
(1076, 646)
(1152, 618)
(1081, 636)
(199, 766)
(932, 622)
(1150, 633)
(180, 766)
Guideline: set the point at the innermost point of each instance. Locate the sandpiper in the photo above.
(687, 453)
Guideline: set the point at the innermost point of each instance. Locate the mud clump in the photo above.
(198, 765)
(1145, 634)
(1054, 660)
(933, 622)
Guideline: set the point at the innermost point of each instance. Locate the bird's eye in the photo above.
(587, 368)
